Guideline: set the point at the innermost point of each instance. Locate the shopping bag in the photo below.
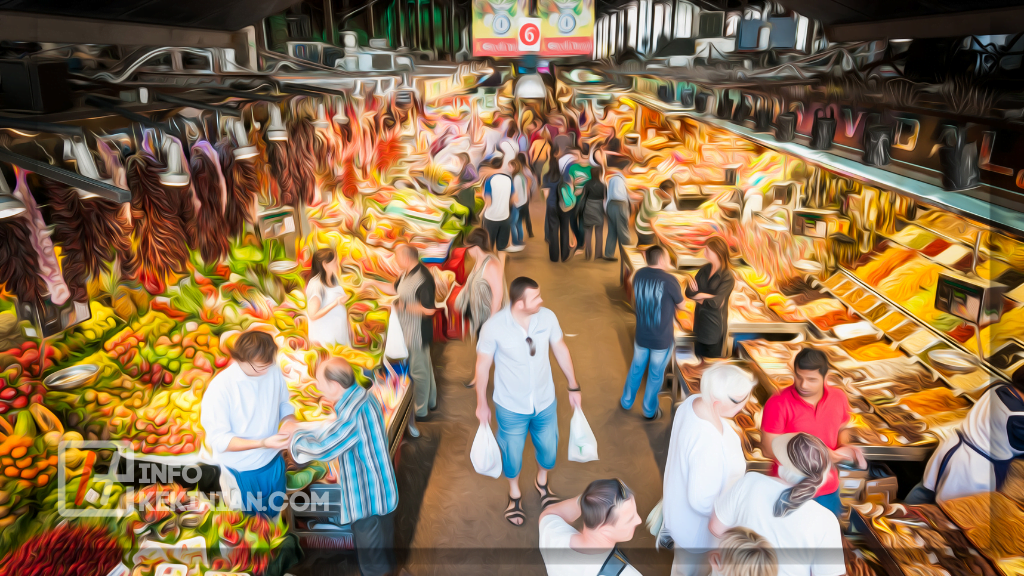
(582, 442)
(485, 454)
(656, 526)
(394, 344)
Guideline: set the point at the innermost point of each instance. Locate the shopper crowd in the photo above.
(718, 518)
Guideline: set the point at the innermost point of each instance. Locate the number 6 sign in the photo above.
(529, 34)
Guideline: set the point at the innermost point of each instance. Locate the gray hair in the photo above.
(339, 371)
(599, 501)
(723, 382)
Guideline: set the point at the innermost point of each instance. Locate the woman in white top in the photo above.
(325, 301)
(805, 535)
(705, 458)
(497, 214)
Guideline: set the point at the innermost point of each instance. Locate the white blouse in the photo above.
(331, 328)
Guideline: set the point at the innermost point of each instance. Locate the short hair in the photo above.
(254, 346)
(496, 162)
(599, 501)
(409, 250)
(480, 238)
(744, 552)
(667, 184)
(811, 359)
(339, 371)
(723, 382)
(654, 255)
(517, 289)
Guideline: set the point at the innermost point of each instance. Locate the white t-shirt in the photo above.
(331, 328)
(521, 189)
(247, 407)
(702, 465)
(806, 542)
(522, 383)
(559, 557)
(499, 187)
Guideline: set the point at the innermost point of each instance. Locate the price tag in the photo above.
(529, 34)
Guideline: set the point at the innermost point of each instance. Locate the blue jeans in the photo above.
(263, 488)
(517, 225)
(512, 429)
(832, 502)
(654, 361)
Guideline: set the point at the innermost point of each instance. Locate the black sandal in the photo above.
(515, 511)
(547, 497)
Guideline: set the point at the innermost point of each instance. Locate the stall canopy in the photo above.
(220, 15)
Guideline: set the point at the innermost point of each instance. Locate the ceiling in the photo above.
(831, 12)
(228, 15)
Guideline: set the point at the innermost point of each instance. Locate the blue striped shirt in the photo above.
(359, 441)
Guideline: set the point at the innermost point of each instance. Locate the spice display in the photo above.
(60, 551)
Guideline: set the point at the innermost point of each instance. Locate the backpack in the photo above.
(614, 564)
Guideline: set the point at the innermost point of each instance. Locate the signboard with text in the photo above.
(567, 27)
(496, 27)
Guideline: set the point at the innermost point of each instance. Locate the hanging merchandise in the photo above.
(301, 152)
(159, 223)
(209, 231)
(785, 127)
(49, 269)
(960, 169)
(19, 262)
(877, 143)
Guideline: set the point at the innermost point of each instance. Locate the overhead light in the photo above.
(9, 205)
(530, 86)
(321, 118)
(244, 150)
(174, 175)
(276, 131)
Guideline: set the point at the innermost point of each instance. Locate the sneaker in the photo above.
(515, 248)
(413, 430)
(656, 415)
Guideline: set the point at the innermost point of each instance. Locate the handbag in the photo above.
(394, 343)
(700, 102)
(724, 106)
(742, 109)
(877, 143)
(823, 130)
(785, 127)
(686, 98)
(614, 564)
(762, 119)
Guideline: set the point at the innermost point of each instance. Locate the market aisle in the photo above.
(450, 518)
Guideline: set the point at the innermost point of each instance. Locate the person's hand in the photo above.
(277, 441)
(288, 427)
(850, 454)
(692, 283)
(341, 301)
(576, 400)
(483, 413)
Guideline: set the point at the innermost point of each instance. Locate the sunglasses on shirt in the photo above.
(533, 348)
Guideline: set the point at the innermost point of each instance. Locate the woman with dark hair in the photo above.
(484, 292)
(593, 213)
(710, 289)
(325, 301)
(805, 535)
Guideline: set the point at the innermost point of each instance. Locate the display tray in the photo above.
(795, 328)
(401, 419)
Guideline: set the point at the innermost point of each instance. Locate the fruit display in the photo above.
(60, 552)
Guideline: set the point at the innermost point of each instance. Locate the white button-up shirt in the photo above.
(522, 383)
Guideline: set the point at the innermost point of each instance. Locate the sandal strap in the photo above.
(516, 511)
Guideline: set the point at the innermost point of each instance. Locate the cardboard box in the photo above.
(886, 487)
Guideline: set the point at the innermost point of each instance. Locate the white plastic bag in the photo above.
(394, 343)
(485, 454)
(582, 442)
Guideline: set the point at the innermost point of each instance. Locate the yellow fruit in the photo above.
(71, 436)
(52, 439)
(23, 463)
(19, 452)
(12, 472)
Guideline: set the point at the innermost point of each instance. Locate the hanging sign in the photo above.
(567, 27)
(495, 27)
(529, 34)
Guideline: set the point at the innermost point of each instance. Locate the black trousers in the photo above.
(716, 350)
(524, 214)
(375, 544)
(558, 224)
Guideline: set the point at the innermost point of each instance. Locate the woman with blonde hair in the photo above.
(484, 293)
(805, 534)
(743, 553)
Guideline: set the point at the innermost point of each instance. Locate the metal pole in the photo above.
(454, 29)
(419, 25)
(331, 29)
(401, 23)
(373, 25)
(433, 37)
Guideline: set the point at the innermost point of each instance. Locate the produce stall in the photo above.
(114, 325)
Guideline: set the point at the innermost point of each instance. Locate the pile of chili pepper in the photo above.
(65, 551)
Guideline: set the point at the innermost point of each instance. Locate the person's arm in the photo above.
(425, 295)
(564, 360)
(719, 297)
(701, 493)
(316, 311)
(727, 506)
(492, 273)
(716, 526)
(568, 510)
(483, 369)
(846, 451)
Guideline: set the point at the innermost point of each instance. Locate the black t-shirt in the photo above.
(711, 317)
(656, 294)
(425, 296)
(594, 189)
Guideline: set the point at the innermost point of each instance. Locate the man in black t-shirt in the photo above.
(656, 296)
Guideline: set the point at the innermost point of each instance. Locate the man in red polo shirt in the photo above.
(811, 406)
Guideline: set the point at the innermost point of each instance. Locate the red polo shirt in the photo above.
(787, 412)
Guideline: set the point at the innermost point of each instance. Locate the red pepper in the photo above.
(83, 487)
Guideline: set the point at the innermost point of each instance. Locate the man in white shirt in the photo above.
(248, 420)
(516, 341)
(609, 518)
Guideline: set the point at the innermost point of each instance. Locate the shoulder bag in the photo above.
(614, 564)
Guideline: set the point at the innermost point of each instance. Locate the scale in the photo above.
(279, 224)
(815, 223)
(978, 302)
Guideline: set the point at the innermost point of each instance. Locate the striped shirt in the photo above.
(648, 210)
(358, 440)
